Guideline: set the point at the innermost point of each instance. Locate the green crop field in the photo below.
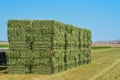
(100, 47)
(4, 46)
(105, 65)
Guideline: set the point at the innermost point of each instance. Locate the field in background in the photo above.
(105, 65)
(100, 47)
(105, 45)
(4, 44)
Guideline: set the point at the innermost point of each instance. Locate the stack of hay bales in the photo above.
(46, 46)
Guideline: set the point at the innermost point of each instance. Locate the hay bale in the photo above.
(46, 46)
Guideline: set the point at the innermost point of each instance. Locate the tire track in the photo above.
(105, 70)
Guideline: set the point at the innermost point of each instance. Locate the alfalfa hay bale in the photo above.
(46, 46)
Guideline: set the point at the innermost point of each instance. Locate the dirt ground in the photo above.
(106, 44)
(4, 43)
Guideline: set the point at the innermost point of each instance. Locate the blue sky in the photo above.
(102, 17)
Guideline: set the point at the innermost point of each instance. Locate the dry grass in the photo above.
(112, 74)
(101, 59)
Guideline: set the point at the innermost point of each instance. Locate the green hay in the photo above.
(46, 46)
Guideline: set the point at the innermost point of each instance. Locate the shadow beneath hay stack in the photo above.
(3, 59)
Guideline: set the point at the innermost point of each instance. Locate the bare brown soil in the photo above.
(4, 43)
(106, 44)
